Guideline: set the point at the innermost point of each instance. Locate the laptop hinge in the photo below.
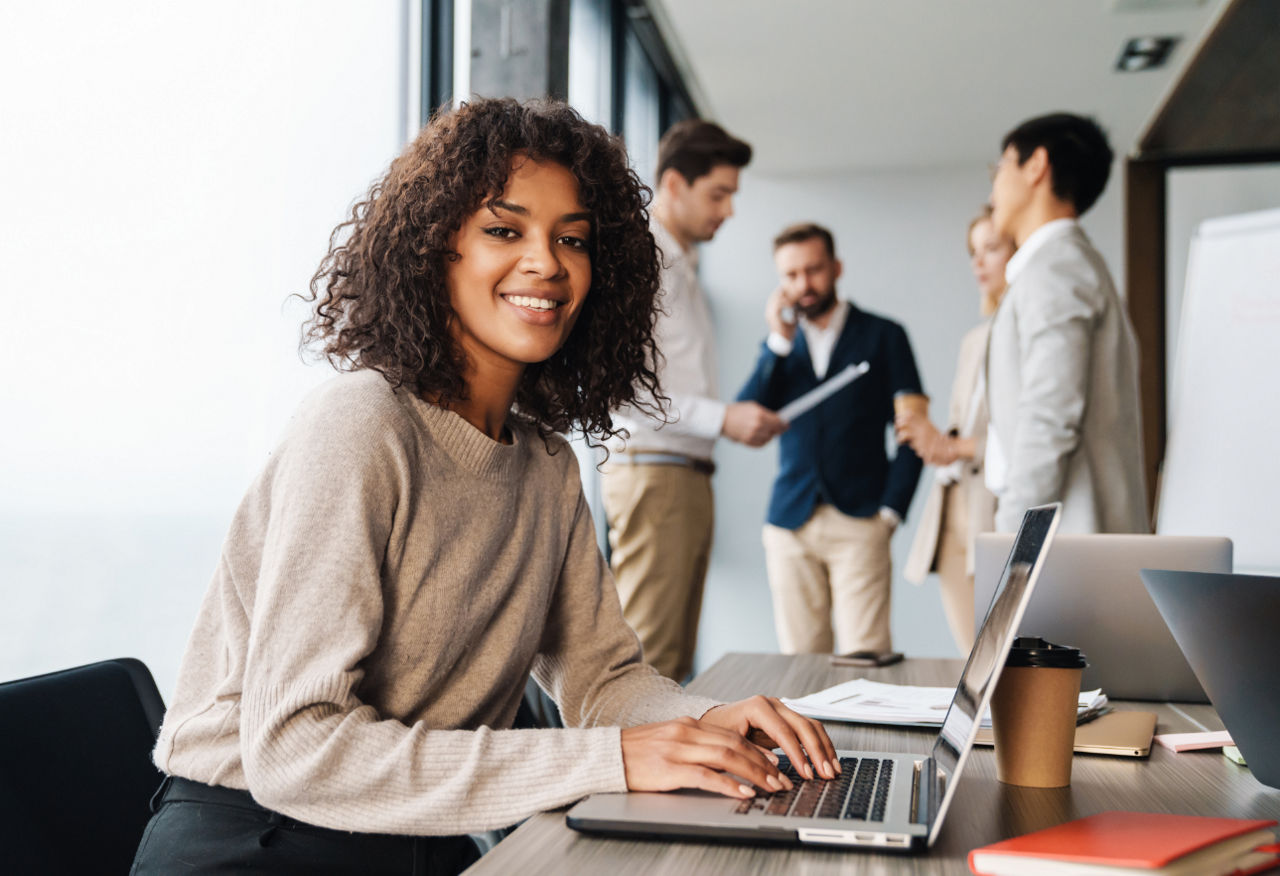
(926, 791)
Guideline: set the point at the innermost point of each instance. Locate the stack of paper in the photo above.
(874, 702)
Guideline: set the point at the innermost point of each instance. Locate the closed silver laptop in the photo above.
(882, 800)
(1091, 597)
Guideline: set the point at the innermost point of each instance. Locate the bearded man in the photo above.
(838, 497)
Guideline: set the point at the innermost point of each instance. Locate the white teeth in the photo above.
(533, 303)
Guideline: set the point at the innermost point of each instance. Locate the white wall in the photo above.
(170, 173)
(901, 236)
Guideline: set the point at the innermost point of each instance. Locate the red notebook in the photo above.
(1135, 843)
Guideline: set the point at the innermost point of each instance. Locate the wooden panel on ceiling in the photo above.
(1227, 102)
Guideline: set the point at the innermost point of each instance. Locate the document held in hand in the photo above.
(1122, 843)
(823, 391)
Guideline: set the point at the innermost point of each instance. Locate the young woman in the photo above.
(418, 545)
(959, 505)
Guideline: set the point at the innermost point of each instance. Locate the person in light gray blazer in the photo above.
(1062, 360)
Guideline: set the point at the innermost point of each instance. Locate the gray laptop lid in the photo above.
(1025, 559)
(1226, 625)
(1091, 596)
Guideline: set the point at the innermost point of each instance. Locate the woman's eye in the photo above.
(575, 242)
(500, 231)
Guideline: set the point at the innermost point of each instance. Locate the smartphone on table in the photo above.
(866, 658)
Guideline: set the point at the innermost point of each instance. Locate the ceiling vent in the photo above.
(1145, 53)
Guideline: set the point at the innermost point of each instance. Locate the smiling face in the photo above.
(523, 269)
(808, 274)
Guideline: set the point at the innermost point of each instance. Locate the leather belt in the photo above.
(645, 457)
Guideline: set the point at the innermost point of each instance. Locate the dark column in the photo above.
(1146, 195)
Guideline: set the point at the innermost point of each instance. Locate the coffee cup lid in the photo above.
(1035, 651)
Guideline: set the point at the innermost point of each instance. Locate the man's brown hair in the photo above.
(803, 231)
(694, 148)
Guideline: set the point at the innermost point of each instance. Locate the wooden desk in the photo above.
(983, 811)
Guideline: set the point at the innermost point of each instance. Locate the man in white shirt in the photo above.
(838, 497)
(1062, 361)
(657, 484)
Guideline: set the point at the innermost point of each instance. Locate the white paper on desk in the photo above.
(823, 391)
(872, 702)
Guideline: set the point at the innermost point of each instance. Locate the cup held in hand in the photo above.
(1033, 713)
(910, 403)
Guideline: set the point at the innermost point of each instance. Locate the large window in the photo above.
(170, 174)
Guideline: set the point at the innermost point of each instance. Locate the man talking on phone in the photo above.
(838, 497)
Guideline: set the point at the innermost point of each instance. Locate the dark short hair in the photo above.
(694, 148)
(1079, 155)
(381, 298)
(802, 231)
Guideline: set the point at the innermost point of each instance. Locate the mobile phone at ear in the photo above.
(866, 658)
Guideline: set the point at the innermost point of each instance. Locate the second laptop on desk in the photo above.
(1091, 597)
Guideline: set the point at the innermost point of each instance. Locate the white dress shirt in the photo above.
(687, 375)
(821, 341)
(995, 464)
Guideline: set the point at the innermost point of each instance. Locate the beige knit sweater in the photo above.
(389, 582)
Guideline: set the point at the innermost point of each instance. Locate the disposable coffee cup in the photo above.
(910, 402)
(1033, 713)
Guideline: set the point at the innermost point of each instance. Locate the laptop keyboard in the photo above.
(859, 792)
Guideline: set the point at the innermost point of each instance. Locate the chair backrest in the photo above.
(76, 774)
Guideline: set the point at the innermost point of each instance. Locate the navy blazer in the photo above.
(835, 453)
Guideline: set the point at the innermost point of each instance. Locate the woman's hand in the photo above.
(924, 438)
(685, 753)
(768, 723)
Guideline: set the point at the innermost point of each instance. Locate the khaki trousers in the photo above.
(834, 571)
(950, 563)
(661, 519)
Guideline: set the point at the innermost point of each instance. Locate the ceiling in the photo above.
(830, 85)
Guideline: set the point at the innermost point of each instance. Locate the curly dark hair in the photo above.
(380, 292)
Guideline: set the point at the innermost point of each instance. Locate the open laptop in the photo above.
(1226, 625)
(1091, 597)
(882, 800)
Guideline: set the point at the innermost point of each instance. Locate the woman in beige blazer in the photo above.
(959, 505)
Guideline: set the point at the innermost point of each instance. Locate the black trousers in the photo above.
(200, 828)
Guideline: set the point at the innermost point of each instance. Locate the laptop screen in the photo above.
(990, 648)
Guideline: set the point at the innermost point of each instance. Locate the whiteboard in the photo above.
(1221, 473)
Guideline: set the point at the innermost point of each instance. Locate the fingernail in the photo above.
(808, 771)
(747, 790)
(828, 769)
(839, 769)
(787, 783)
(773, 758)
(775, 783)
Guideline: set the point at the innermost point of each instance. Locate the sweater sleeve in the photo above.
(590, 659)
(311, 748)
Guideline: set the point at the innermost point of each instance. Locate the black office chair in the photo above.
(76, 775)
